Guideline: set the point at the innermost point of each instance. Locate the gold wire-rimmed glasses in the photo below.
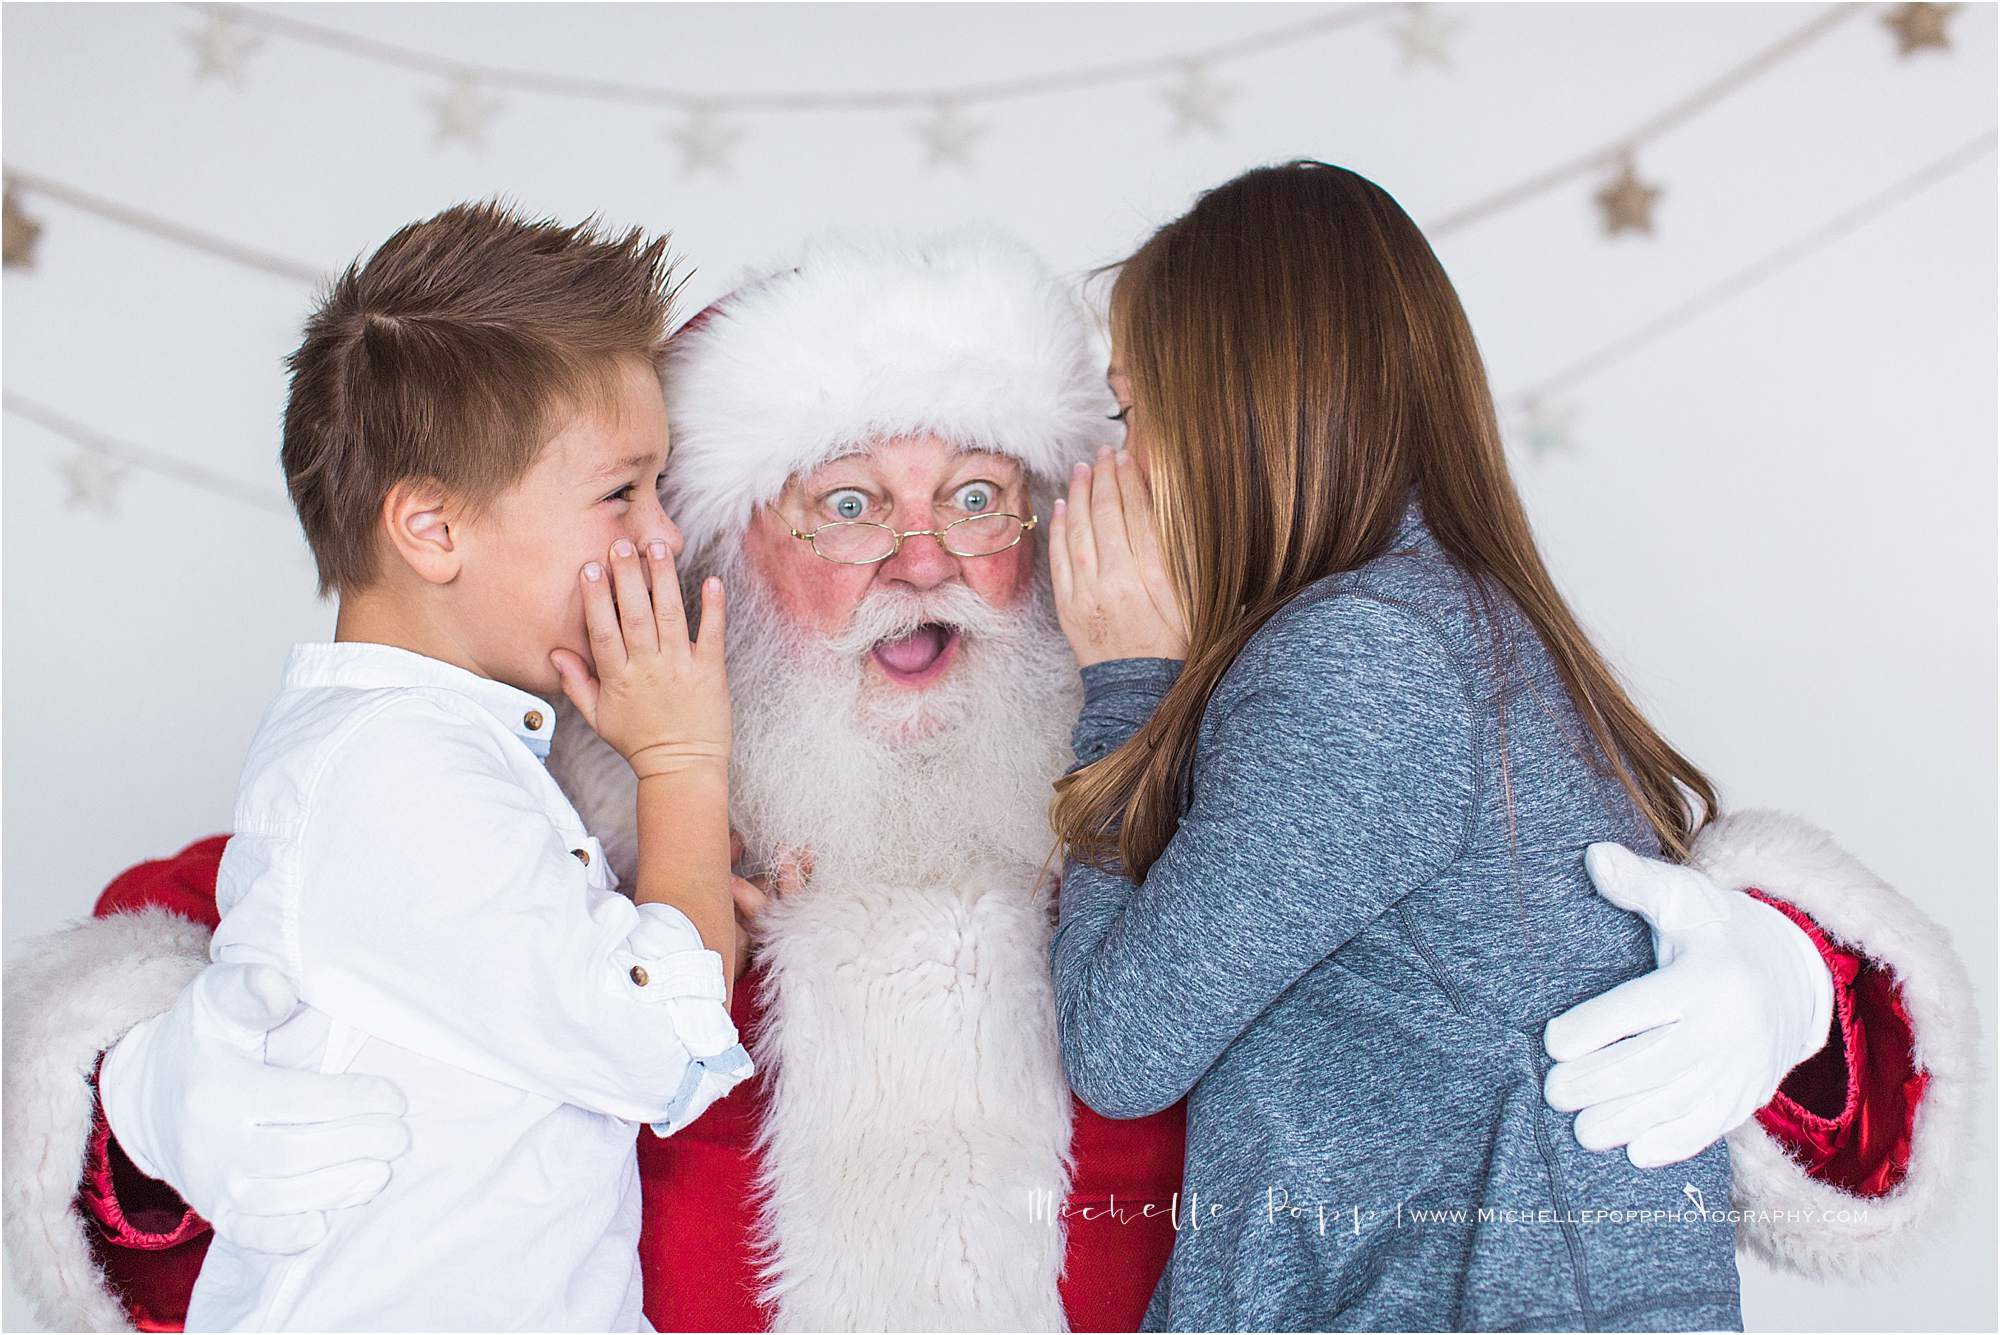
(856, 542)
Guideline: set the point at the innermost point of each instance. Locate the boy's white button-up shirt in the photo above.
(401, 852)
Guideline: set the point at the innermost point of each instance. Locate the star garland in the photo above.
(949, 136)
(1197, 100)
(221, 48)
(20, 233)
(1919, 27)
(705, 140)
(1422, 35)
(463, 111)
(1628, 202)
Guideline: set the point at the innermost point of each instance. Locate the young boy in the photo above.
(474, 441)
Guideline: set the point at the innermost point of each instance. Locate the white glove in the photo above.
(260, 1152)
(1669, 1063)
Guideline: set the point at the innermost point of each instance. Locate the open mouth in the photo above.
(918, 658)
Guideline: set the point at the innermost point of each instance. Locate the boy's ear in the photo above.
(418, 517)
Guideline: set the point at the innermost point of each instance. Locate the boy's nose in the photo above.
(652, 523)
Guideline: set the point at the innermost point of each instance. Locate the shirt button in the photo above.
(532, 720)
(639, 974)
(582, 855)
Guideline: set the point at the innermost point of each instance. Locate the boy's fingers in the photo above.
(600, 618)
(714, 620)
(750, 901)
(669, 617)
(635, 605)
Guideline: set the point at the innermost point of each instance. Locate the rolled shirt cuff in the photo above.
(667, 963)
(707, 1080)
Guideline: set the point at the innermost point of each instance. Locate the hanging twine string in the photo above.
(140, 457)
(164, 229)
(190, 238)
(1762, 271)
(1600, 159)
(1710, 299)
(280, 24)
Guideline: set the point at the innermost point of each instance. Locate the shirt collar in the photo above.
(374, 666)
(1410, 529)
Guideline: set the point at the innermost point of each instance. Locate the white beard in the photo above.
(917, 1110)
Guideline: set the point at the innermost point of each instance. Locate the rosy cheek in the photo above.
(820, 594)
(1003, 579)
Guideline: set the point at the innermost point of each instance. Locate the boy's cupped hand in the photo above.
(657, 696)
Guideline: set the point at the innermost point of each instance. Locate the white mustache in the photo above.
(892, 613)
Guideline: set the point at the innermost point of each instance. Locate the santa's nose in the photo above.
(921, 563)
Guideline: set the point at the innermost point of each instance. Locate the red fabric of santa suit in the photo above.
(1847, 1117)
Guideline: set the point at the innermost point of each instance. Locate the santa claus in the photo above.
(864, 445)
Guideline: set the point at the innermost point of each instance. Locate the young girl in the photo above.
(1326, 877)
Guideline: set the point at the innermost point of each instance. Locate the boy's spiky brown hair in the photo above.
(462, 345)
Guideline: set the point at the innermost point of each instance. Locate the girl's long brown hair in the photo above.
(1298, 362)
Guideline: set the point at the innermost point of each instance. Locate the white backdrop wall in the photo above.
(1779, 520)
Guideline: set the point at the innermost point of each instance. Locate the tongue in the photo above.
(914, 652)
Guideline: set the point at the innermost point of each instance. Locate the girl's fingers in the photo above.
(577, 684)
(1059, 577)
(1107, 514)
(1138, 505)
(669, 617)
(1082, 545)
(600, 619)
(714, 622)
(635, 605)
(1145, 535)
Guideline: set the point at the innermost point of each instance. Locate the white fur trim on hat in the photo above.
(965, 334)
(1792, 1219)
(67, 1000)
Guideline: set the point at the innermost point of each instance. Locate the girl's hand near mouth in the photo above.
(1113, 595)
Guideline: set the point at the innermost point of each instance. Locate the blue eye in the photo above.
(847, 504)
(975, 498)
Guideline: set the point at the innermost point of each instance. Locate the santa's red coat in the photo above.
(1847, 1116)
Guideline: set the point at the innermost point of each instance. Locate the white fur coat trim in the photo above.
(917, 1109)
(966, 334)
(69, 999)
(1812, 1227)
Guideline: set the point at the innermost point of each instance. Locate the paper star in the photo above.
(1423, 34)
(949, 135)
(94, 477)
(1628, 203)
(1546, 429)
(704, 140)
(222, 46)
(1919, 26)
(1197, 102)
(21, 233)
(462, 112)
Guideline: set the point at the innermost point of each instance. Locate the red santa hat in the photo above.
(965, 334)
